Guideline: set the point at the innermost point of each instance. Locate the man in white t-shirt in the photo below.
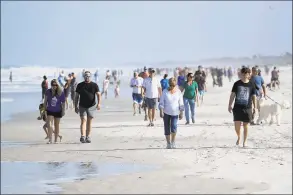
(153, 91)
(136, 85)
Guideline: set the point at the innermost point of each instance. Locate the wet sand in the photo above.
(206, 161)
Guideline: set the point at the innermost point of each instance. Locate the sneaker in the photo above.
(173, 145)
(152, 124)
(139, 111)
(193, 121)
(145, 118)
(169, 146)
(187, 123)
(134, 114)
(82, 139)
(88, 140)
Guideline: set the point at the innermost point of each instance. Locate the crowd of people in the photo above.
(181, 93)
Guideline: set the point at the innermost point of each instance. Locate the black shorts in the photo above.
(151, 103)
(274, 79)
(55, 114)
(242, 114)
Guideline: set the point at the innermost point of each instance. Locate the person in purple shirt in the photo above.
(54, 106)
(181, 79)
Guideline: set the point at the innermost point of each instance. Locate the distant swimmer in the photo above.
(44, 86)
(10, 77)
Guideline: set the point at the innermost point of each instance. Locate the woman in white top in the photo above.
(171, 105)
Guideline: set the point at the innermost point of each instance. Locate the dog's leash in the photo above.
(274, 101)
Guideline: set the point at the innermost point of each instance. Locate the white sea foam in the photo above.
(28, 79)
(6, 100)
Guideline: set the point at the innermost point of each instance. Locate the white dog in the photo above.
(270, 110)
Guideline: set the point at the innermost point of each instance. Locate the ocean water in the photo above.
(23, 94)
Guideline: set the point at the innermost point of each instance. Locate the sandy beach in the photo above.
(206, 160)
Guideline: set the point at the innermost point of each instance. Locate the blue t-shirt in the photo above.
(180, 80)
(258, 81)
(164, 84)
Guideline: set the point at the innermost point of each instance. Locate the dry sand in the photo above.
(206, 161)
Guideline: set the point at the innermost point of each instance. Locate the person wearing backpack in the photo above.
(44, 86)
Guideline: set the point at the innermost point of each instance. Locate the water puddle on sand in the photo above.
(44, 177)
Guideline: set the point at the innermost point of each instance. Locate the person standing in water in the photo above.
(171, 105)
(244, 94)
(86, 106)
(44, 86)
(136, 85)
(190, 96)
(153, 91)
(10, 77)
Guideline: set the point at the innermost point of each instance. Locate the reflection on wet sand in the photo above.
(43, 177)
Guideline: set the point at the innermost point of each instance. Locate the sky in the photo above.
(93, 33)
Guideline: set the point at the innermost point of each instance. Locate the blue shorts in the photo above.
(201, 92)
(137, 98)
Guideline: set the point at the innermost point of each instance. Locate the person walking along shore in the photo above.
(86, 106)
(171, 108)
(244, 94)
